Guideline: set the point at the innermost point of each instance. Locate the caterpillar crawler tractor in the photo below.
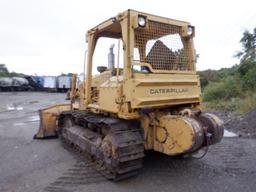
(152, 102)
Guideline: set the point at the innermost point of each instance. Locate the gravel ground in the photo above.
(44, 165)
(244, 125)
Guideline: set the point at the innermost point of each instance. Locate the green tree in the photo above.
(247, 57)
(248, 42)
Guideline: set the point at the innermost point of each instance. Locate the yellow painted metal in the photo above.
(161, 134)
(124, 95)
(179, 135)
(48, 120)
(97, 80)
(155, 90)
(135, 90)
(110, 95)
(172, 134)
(166, 80)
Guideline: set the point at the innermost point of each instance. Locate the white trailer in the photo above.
(63, 83)
(50, 83)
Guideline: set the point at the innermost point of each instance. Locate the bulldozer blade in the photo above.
(48, 121)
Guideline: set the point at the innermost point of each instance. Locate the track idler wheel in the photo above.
(110, 152)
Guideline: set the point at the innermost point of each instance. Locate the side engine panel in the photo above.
(156, 90)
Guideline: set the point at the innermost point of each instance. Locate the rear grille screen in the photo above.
(161, 46)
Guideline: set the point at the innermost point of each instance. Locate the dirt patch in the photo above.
(244, 125)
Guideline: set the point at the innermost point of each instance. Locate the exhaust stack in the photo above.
(111, 58)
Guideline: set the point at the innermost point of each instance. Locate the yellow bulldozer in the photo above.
(149, 100)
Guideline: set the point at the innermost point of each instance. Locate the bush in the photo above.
(227, 89)
(208, 76)
(248, 75)
(244, 104)
(233, 88)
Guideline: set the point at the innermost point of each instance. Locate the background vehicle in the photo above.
(63, 83)
(14, 84)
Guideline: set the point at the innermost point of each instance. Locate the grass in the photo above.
(242, 105)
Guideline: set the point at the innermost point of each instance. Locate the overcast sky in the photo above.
(47, 37)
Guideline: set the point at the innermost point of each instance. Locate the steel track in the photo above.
(125, 139)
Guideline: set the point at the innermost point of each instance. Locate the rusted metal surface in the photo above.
(117, 152)
(213, 125)
(48, 120)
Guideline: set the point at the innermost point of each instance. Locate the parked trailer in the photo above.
(63, 83)
(49, 83)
